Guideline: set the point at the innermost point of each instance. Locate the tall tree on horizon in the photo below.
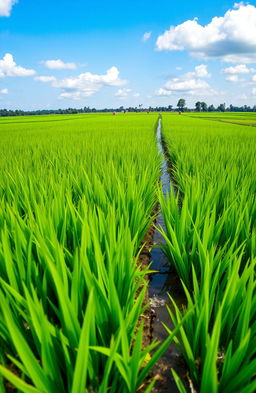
(181, 104)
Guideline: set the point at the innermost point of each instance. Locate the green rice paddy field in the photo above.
(231, 117)
(77, 195)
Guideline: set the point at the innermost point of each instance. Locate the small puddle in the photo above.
(163, 282)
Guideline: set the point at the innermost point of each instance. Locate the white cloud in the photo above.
(254, 91)
(230, 37)
(201, 71)
(4, 91)
(254, 78)
(6, 7)
(88, 81)
(59, 65)
(186, 85)
(189, 83)
(234, 78)
(238, 69)
(8, 67)
(233, 72)
(45, 79)
(163, 92)
(240, 4)
(136, 95)
(122, 93)
(178, 68)
(74, 95)
(86, 84)
(146, 36)
(239, 58)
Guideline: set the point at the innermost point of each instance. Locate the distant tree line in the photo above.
(181, 107)
(86, 109)
(202, 107)
(69, 111)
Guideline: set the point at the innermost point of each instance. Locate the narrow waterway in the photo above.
(163, 282)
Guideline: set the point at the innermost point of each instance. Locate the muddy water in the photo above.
(161, 283)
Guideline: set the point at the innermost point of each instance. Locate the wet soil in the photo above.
(165, 282)
(144, 261)
(161, 283)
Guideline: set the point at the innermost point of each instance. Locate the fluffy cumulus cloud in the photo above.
(188, 86)
(84, 85)
(8, 67)
(59, 65)
(231, 37)
(200, 72)
(238, 69)
(146, 36)
(6, 7)
(233, 73)
(4, 91)
(122, 93)
(190, 83)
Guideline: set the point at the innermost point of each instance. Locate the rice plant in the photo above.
(76, 200)
(210, 241)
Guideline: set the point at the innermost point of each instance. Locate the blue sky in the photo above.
(57, 54)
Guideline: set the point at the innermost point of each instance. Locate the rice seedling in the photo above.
(229, 117)
(76, 201)
(210, 240)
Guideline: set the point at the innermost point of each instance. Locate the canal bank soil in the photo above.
(156, 313)
(165, 282)
(144, 262)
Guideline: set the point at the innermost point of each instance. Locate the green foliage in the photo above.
(181, 103)
(76, 201)
(210, 241)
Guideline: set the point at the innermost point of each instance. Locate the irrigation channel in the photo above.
(161, 283)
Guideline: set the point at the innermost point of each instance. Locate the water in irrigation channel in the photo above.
(161, 283)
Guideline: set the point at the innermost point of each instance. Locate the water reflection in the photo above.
(161, 283)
